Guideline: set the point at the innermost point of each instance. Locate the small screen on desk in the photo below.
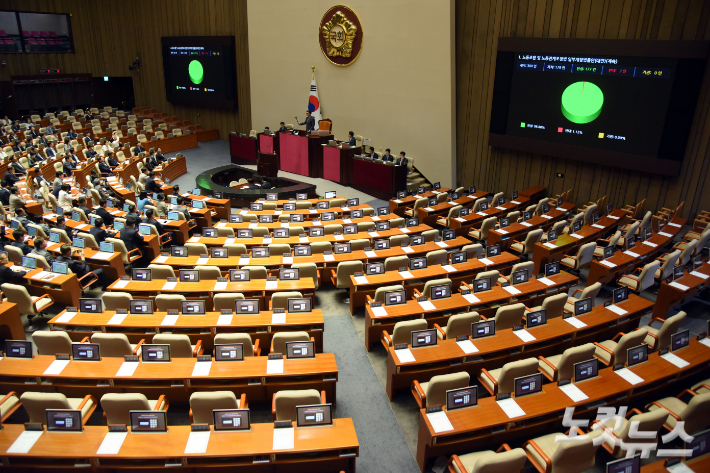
(353, 202)
(576, 226)
(109, 204)
(85, 352)
(322, 205)
(356, 213)
(630, 241)
(106, 247)
(596, 217)
(382, 226)
(60, 268)
(78, 243)
(625, 465)
(289, 274)
(552, 269)
(482, 329)
(118, 226)
(244, 233)
(272, 197)
(504, 222)
(418, 262)
(424, 338)
(299, 305)
(173, 216)
(680, 340)
(29, 262)
(141, 307)
(413, 222)
(219, 252)
(327, 216)
(314, 415)
(63, 420)
(231, 419)
(217, 195)
(535, 319)
(583, 306)
(700, 445)
(301, 196)
(289, 206)
(209, 232)
(442, 291)
(678, 272)
(374, 268)
(482, 284)
(296, 217)
(195, 191)
(459, 257)
(330, 194)
(383, 210)
(229, 352)
(528, 385)
(300, 350)
(462, 397)
(54, 237)
(527, 215)
(315, 231)
(608, 252)
(266, 218)
(75, 216)
(14, 224)
(697, 261)
(92, 306)
(448, 235)
(126, 207)
(395, 297)
(621, 294)
(148, 421)
(432, 201)
(416, 240)
(342, 248)
(180, 251)
(637, 355)
(192, 307)
(383, 244)
(247, 306)
(144, 229)
(32, 231)
(519, 277)
(260, 252)
(492, 250)
(155, 352)
(189, 275)
(237, 275)
(18, 349)
(350, 229)
(198, 204)
(141, 274)
(302, 250)
(173, 200)
(586, 370)
(552, 235)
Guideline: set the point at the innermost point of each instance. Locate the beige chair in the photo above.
(209, 273)
(577, 218)
(341, 276)
(526, 247)
(115, 344)
(477, 205)
(453, 213)
(702, 387)
(319, 247)
(549, 456)
(686, 253)
(402, 332)
(694, 413)
(419, 203)
(382, 290)
(279, 340)
(661, 337)
(236, 249)
(398, 240)
(280, 299)
(426, 291)
(36, 404)
(26, 304)
(482, 233)
(504, 459)
(116, 300)
(248, 347)
(436, 257)
(116, 406)
(161, 271)
(8, 405)
(51, 342)
(257, 272)
(645, 278)
(554, 306)
(166, 302)
(502, 380)
(358, 245)
(456, 325)
(473, 251)
(540, 206)
(180, 345)
(508, 316)
(226, 300)
(618, 429)
(559, 367)
(628, 231)
(584, 256)
(278, 249)
(285, 402)
(203, 403)
(393, 263)
(364, 227)
(196, 249)
(433, 392)
(601, 244)
(612, 352)
(308, 270)
(128, 257)
(526, 265)
(589, 291)
(430, 235)
(225, 232)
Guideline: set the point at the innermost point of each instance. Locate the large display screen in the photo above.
(628, 104)
(199, 70)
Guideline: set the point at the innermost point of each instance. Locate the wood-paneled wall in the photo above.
(480, 23)
(108, 36)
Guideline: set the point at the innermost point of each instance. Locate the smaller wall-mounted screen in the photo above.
(35, 32)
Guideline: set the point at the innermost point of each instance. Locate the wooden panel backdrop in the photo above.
(480, 23)
(109, 35)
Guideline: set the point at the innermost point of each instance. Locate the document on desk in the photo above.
(229, 240)
(117, 319)
(407, 249)
(442, 244)
(169, 285)
(272, 285)
(202, 368)
(375, 218)
(439, 421)
(482, 214)
(502, 232)
(680, 468)
(25, 441)
(546, 216)
(632, 254)
(396, 201)
(699, 275)
(406, 275)
(244, 261)
(361, 280)
(102, 255)
(682, 287)
(221, 224)
(194, 239)
(278, 212)
(501, 208)
(287, 260)
(66, 317)
(40, 275)
(617, 310)
(220, 286)
(225, 319)
(524, 335)
(313, 211)
(274, 366)
(546, 282)
(575, 322)
(266, 240)
(56, 367)
(332, 258)
(515, 202)
(675, 225)
(596, 225)
(197, 442)
(428, 209)
(705, 341)
(379, 311)
(513, 290)
(611, 216)
(550, 245)
(170, 319)
(629, 376)
(278, 318)
(405, 230)
(653, 245)
(373, 234)
(467, 346)
(576, 235)
(405, 355)
(526, 224)
(486, 261)
(427, 305)
(285, 224)
(253, 224)
(121, 283)
(303, 239)
(511, 408)
(161, 259)
(664, 234)
(675, 360)
(459, 219)
(202, 261)
(283, 438)
(608, 263)
(338, 237)
(449, 268)
(127, 368)
(573, 392)
(347, 220)
(471, 299)
(112, 443)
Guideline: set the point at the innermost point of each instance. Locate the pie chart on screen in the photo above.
(582, 102)
(196, 72)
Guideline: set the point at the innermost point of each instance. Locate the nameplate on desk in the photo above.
(436, 408)
(401, 346)
(130, 358)
(34, 427)
(121, 311)
(62, 356)
(376, 304)
(117, 428)
(226, 312)
(276, 356)
(502, 396)
(278, 311)
(283, 424)
(204, 358)
(173, 312)
(200, 427)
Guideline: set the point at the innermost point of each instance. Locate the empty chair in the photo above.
(473, 251)
(426, 292)
(554, 305)
(613, 352)
(548, 455)
(257, 272)
(248, 347)
(280, 299)
(430, 235)
(477, 205)
(161, 271)
(393, 263)
(236, 249)
(116, 406)
(644, 280)
(278, 249)
(341, 276)
(601, 244)
(382, 290)
(589, 291)
(52, 342)
(620, 428)
(668, 262)
(365, 226)
(628, 231)
(694, 414)
(508, 316)
(203, 403)
(280, 339)
(458, 324)
(559, 367)
(398, 240)
(577, 218)
(661, 337)
(116, 300)
(482, 233)
(26, 304)
(166, 302)
(402, 332)
(196, 249)
(686, 253)
(526, 265)
(502, 380)
(584, 256)
(433, 392)
(504, 459)
(318, 247)
(226, 300)
(208, 272)
(36, 404)
(453, 213)
(115, 344)
(126, 256)
(526, 247)
(308, 270)
(285, 402)
(180, 345)
(419, 203)
(436, 257)
(225, 232)
(539, 209)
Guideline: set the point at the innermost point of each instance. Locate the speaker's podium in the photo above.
(301, 152)
(337, 162)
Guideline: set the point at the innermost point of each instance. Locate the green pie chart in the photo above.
(196, 72)
(582, 102)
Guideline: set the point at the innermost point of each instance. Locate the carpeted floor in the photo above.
(387, 432)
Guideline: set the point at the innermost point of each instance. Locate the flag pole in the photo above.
(313, 76)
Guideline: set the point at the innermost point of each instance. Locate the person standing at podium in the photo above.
(387, 156)
(310, 121)
(351, 139)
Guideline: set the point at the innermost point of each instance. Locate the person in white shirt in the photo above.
(115, 139)
(65, 198)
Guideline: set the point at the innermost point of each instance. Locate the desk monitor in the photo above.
(504, 222)
(395, 297)
(680, 340)
(109, 203)
(596, 217)
(217, 195)
(420, 190)
(519, 277)
(60, 268)
(551, 235)
(209, 232)
(14, 224)
(576, 226)
(625, 465)
(155, 352)
(441, 291)
(126, 207)
(296, 217)
(374, 268)
(281, 233)
(401, 194)
(299, 305)
(148, 421)
(697, 262)
(327, 216)
(630, 241)
(140, 307)
(316, 231)
(528, 385)
(301, 196)
(583, 306)
(357, 213)
(192, 307)
(18, 349)
(620, 294)
(189, 275)
(28, 262)
(552, 269)
(350, 229)
(245, 233)
(636, 355)
(32, 231)
(648, 234)
(289, 274)
(106, 247)
(700, 445)
(300, 349)
(382, 244)
(256, 206)
(198, 204)
(302, 250)
(416, 240)
(231, 419)
(462, 397)
(447, 235)
(260, 252)
(383, 210)
(492, 250)
(75, 216)
(229, 352)
(535, 319)
(173, 200)
(424, 338)
(63, 420)
(608, 252)
(353, 202)
(85, 352)
(289, 206)
(678, 272)
(54, 237)
(454, 196)
(330, 194)
(432, 201)
(465, 211)
(383, 226)
(482, 329)
(196, 191)
(238, 275)
(484, 206)
(272, 197)
(413, 222)
(247, 306)
(175, 216)
(144, 229)
(219, 252)
(180, 251)
(417, 262)
(322, 205)
(78, 243)
(90, 306)
(436, 186)
(342, 248)
(527, 215)
(545, 208)
(233, 218)
(266, 218)
(314, 415)
(482, 284)
(586, 370)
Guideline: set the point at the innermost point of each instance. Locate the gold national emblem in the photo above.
(339, 34)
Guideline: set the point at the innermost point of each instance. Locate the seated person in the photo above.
(40, 248)
(80, 268)
(19, 242)
(372, 153)
(10, 275)
(61, 226)
(387, 156)
(98, 232)
(142, 201)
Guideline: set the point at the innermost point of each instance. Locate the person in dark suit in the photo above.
(40, 248)
(252, 184)
(97, 232)
(151, 220)
(372, 153)
(19, 242)
(310, 121)
(111, 161)
(7, 274)
(60, 226)
(151, 185)
(104, 213)
(87, 140)
(401, 161)
(81, 204)
(17, 167)
(50, 152)
(10, 178)
(43, 139)
(80, 268)
(351, 139)
(4, 193)
(103, 167)
(387, 156)
(282, 128)
(71, 135)
(265, 184)
(150, 162)
(130, 237)
(67, 167)
(138, 149)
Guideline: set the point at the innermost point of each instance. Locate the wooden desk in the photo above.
(242, 148)
(669, 296)
(222, 207)
(534, 193)
(463, 225)
(378, 179)
(310, 213)
(463, 271)
(317, 449)
(11, 327)
(302, 154)
(337, 163)
(63, 289)
(429, 214)
(309, 223)
(174, 379)
(398, 206)
(697, 464)
(494, 352)
(198, 327)
(487, 424)
(532, 294)
(518, 230)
